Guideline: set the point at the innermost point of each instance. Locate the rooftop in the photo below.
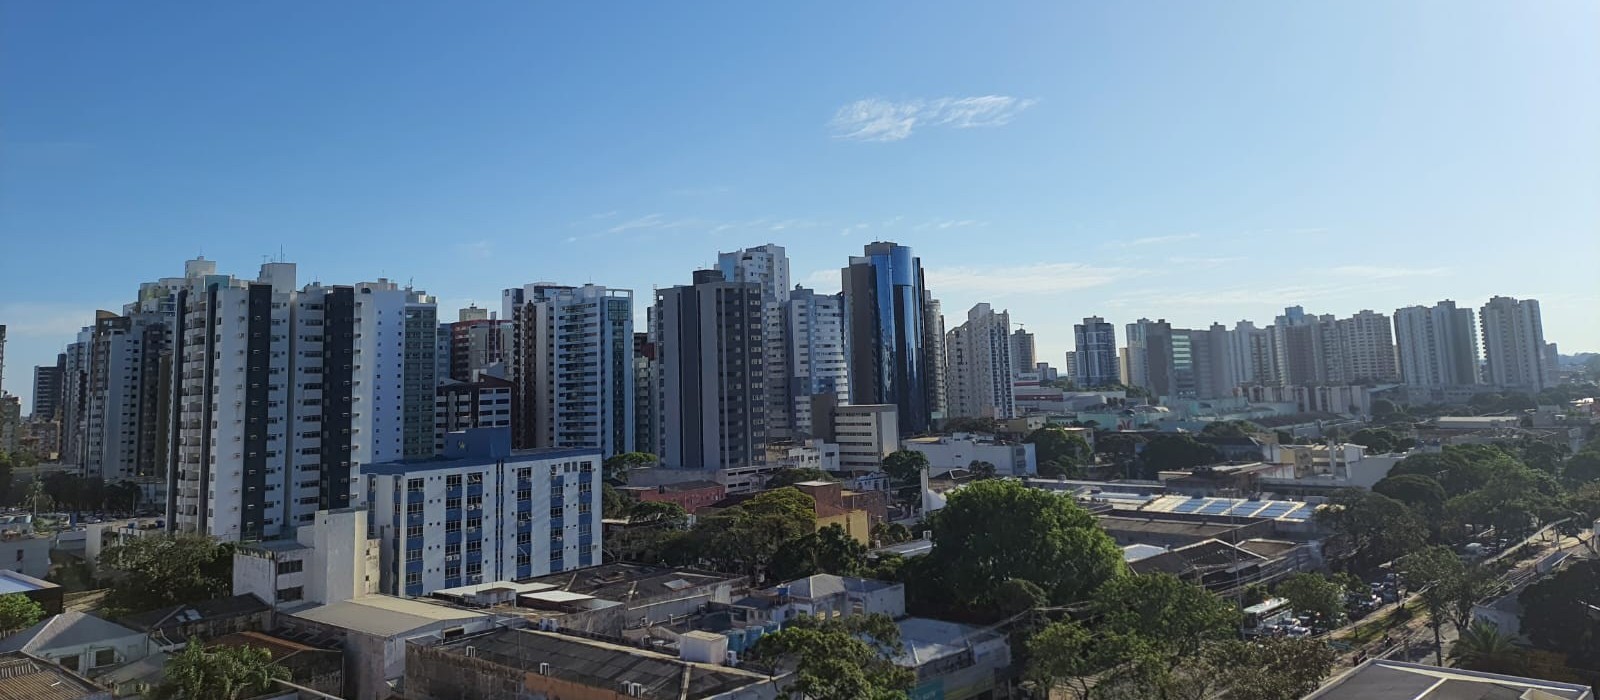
(438, 463)
(383, 616)
(927, 640)
(16, 582)
(822, 585)
(1133, 523)
(69, 629)
(243, 604)
(625, 582)
(1232, 507)
(599, 664)
(695, 485)
(1394, 680)
(1206, 556)
(23, 677)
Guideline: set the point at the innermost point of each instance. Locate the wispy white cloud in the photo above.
(646, 221)
(1377, 272)
(1155, 240)
(943, 224)
(32, 319)
(878, 119)
(1201, 262)
(1039, 278)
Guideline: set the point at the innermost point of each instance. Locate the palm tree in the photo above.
(226, 673)
(1483, 647)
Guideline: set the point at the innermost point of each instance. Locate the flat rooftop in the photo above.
(383, 616)
(1394, 680)
(516, 456)
(17, 582)
(23, 676)
(624, 582)
(598, 664)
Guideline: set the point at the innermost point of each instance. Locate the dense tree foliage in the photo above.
(1232, 429)
(1422, 493)
(617, 466)
(1434, 573)
(827, 551)
(159, 570)
(1177, 451)
(745, 538)
(1312, 593)
(1174, 617)
(1559, 613)
(1381, 440)
(991, 531)
(905, 466)
(1483, 647)
(18, 611)
(847, 658)
(965, 424)
(221, 672)
(1369, 529)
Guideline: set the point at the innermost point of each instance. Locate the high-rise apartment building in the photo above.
(1437, 345)
(710, 342)
(1355, 350)
(1137, 368)
(1024, 353)
(458, 406)
(47, 389)
(1296, 347)
(767, 267)
(978, 365)
(483, 512)
(1250, 355)
(479, 346)
(1094, 362)
(281, 394)
(1514, 350)
(933, 339)
(646, 393)
(894, 349)
(1072, 366)
(122, 429)
(814, 358)
(572, 362)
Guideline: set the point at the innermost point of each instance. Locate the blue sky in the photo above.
(1193, 161)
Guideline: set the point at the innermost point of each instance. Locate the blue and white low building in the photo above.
(482, 512)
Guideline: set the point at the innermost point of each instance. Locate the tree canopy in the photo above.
(1558, 613)
(159, 570)
(905, 466)
(845, 658)
(17, 612)
(1312, 593)
(223, 672)
(1420, 492)
(991, 531)
(1174, 617)
(1369, 529)
(827, 551)
(1177, 451)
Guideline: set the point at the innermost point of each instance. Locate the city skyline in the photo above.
(1132, 162)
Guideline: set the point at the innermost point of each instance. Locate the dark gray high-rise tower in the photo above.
(710, 342)
(893, 357)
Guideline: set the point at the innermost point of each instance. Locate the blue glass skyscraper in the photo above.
(893, 357)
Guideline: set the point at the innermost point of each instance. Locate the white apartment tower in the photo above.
(767, 267)
(1437, 345)
(572, 364)
(978, 365)
(1514, 349)
(813, 331)
(1359, 349)
(282, 394)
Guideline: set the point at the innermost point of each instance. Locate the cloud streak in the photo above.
(878, 119)
(1375, 272)
(1039, 278)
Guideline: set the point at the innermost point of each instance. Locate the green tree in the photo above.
(1369, 529)
(1481, 646)
(891, 533)
(159, 570)
(905, 466)
(1422, 493)
(1584, 467)
(982, 470)
(1434, 573)
(1088, 663)
(617, 466)
(1376, 440)
(1586, 500)
(17, 612)
(1017, 595)
(826, 551)
(1558, 613)
(612, 503)
(1311, 593)
(1054, 444)
(845, 658)
(1177, 451)
(1272, 669)
(226, 673)
(1512, 502)
(745, 539)
(1172, 616)
(963, 424)
(790, 477)
(991, 531)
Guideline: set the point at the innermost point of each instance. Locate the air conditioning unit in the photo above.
(635, 690)
(544, 669)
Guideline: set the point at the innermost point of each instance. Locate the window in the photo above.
(452, 526)
(291, 567)
(474, 502)
(414, 508)
(475, 546)
(524, 539)
(292, 594)
(475, 478)
(414, 554)
(413, 532)
(453, 481)
(524, 559)
(414, 485)
(474, 523)
(525, 473)
(452, 549)
(414, 578)
(105, 657)
(452, 503)
(474, 570)
(524, 494)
